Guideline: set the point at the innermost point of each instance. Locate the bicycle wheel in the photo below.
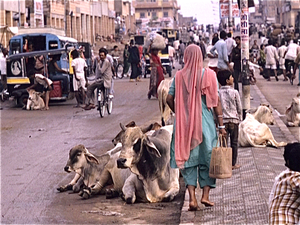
(119, 71)
(101, 107)
(109, 105)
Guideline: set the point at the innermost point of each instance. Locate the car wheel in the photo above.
(22, 100)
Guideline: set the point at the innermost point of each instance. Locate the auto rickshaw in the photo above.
(20, 75)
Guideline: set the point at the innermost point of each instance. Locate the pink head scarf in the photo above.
(188, 105)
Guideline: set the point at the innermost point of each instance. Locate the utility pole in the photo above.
(19, 13)
(245, 55)
(230, 16)
(65, 17)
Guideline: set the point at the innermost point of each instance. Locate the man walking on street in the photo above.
(281, 51)
(271, 59)
(230, 45)
(134, 59)
(236, 59)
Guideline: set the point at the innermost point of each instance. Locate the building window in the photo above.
(142, 15)
(165, 0)
(166, 14)
(154, 14)
(148, 13)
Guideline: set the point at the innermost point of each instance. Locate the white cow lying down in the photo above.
(263, 114)
(35, 100)
(293, 112)
(256, 134)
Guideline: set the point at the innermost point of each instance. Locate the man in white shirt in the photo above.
(290, 56)
(271, 59)
(281, 51)
(230, 44)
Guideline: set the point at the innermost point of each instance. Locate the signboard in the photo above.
(244, 26)
(38, 13)
(224, 10)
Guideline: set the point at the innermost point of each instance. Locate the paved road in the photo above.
(34, 151)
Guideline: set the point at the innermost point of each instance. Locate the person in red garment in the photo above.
(157, 73)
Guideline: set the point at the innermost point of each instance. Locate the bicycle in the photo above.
(104, 101)
(118, 66)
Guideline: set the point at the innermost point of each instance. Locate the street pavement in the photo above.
(243, 198)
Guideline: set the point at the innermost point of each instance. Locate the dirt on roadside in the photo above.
(99, 210)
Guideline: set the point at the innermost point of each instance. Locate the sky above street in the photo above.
(206, 11)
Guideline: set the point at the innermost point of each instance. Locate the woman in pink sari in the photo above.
(192, 96)
(157, 73)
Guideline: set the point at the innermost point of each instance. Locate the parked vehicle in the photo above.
(169, 33)
(87, 52)
(41, 42)
(18, 78)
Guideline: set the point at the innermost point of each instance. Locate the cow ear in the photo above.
(122, 127)
(148, 128)
(131, 124)
(90, 157)
(151, 148)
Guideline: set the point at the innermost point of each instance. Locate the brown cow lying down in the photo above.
(293, 112)
(35, 101)
(94, 173)
(262, 114)
(167, 116)
(148, 157)
(256, 134)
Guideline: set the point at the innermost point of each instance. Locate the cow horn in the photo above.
(122, 127)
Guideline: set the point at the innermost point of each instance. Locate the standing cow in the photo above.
(148, 157)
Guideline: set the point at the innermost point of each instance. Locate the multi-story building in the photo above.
(156, 13)
(12, 14)
(257, 16)
(125, 16)
(80, 19)
(284, 12)
(185, 21)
